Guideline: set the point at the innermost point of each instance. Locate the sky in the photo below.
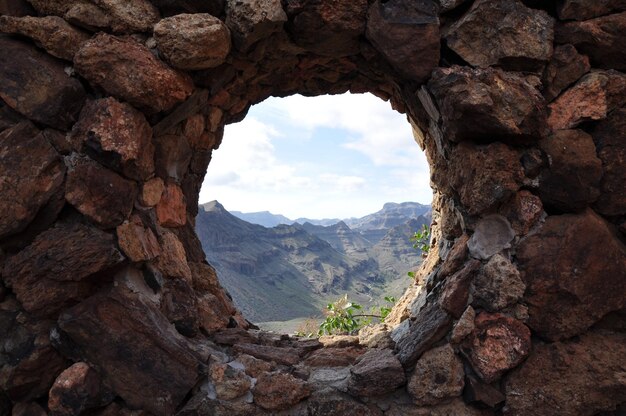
(337, 156)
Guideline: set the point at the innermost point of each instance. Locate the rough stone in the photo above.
(333, 404)
(101, 195)
(334, 357)
(455, 407)
(585, 9)
(28, 409)
(116, 135)
(503, 33)
(16, 8)
(430, 325)
(252, 21)
(497, 285)
(151, 192)
(276, 391)
(491, 235)
(154, 371)
(229, 382)
(565, 68)
(376, 336)
(129, 71)
(173, 261)
(327, 29)
(393, 26)
(456, 289)
(578, 377)
(211, 314)
(498, 344)
(601, 39)
(73, 389)
(488, 105)
(523, 211)
(456, 257)
(279, 355)
(610, 139)
(376, 372)
(55, 269)
(571, 182)
(591, 98)
(173, 155)
(171, 210)
(583, 281)
(136, 241)
(253, 366)
(31, 173)
(117, 15)
(44, 93)
(478, 392)
(339, 341)
(193, 41)
(54, 34)
(438, 376)
(464, 326)
(180, 306)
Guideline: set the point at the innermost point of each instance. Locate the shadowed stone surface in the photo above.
(376, 372)
(438, 376)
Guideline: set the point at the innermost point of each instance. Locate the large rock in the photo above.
(586, 9)
(583, 376)
(565, 68)
(455, 407)
(31, 173)
(129, 71)
(523, 211)
(173, 155)
(438, 376)
(101, 195)
(488, 104)
(120, 16)
(456, 289)
(137, 241)
(276, 391)
(54, 34)
(329, 29)
(406, 33)
(610, 139)
(376, 372)
(498, 344)
(139, 354)
(193, 41)
(498, 284)
(73, 389)
(572, 180)
(484, 176)
(602, 39)
(253, 20)
(116, 135)
(584, 280)
(54, 270)
(504, 33)
(179, 304)
(279, 355)
(171, 210)
(36, 85)
(590, 99)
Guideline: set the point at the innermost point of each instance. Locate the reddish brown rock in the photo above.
(497, 285)
(253, 366)
(101, 195)
(610, 139)
(456, 289)
(484, 176)
(577, 377)
(523, 211)
(44, 93)
(31, 173)
(336, 404)
(591, 98)
(478, 392)
(393, 26)
(376, 372)
(503, 33)
(229, 381)
(129, 71)
(151, 192)
(212, 314)
(565, 68)
(327, 29)
(498, 344)
(136, 241)
(16, 8)
(277, 391)
(54, 270)
(193, 128)
(571, 182)
(464, 326)
(438, 376)
(54, 34)
(154, 371)
(173, 259)
(28, 409)
(333, 357)
(455, 407)
(456, 257)
(601, 39)
(116, 15)
(116, 135)
(180, 306)
(73, 389)
(252, 21)
(585, 9)
(172, 210)
(193, 41)
(279, 355)
(205, 280)
(585, 279)
(173, 155)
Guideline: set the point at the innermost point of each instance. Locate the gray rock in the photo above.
(377, 372)
(492, 235)
(253, 20)
(438, 376)
(498, 284)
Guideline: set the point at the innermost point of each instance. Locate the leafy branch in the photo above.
(344, 316)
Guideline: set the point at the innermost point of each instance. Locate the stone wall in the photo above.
(110, 111)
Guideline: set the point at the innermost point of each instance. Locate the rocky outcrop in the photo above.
(110, 111)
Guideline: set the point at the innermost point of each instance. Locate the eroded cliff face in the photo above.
(109, 113)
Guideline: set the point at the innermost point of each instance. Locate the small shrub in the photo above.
(343, 316)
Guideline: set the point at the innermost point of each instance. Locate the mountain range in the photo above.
(292, 270)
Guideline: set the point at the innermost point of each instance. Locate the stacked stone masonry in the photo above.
(110, 111)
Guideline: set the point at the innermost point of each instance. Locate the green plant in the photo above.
(308, 328)
(342, 316)
(421, 239)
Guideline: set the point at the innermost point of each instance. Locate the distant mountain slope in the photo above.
(264, 218)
